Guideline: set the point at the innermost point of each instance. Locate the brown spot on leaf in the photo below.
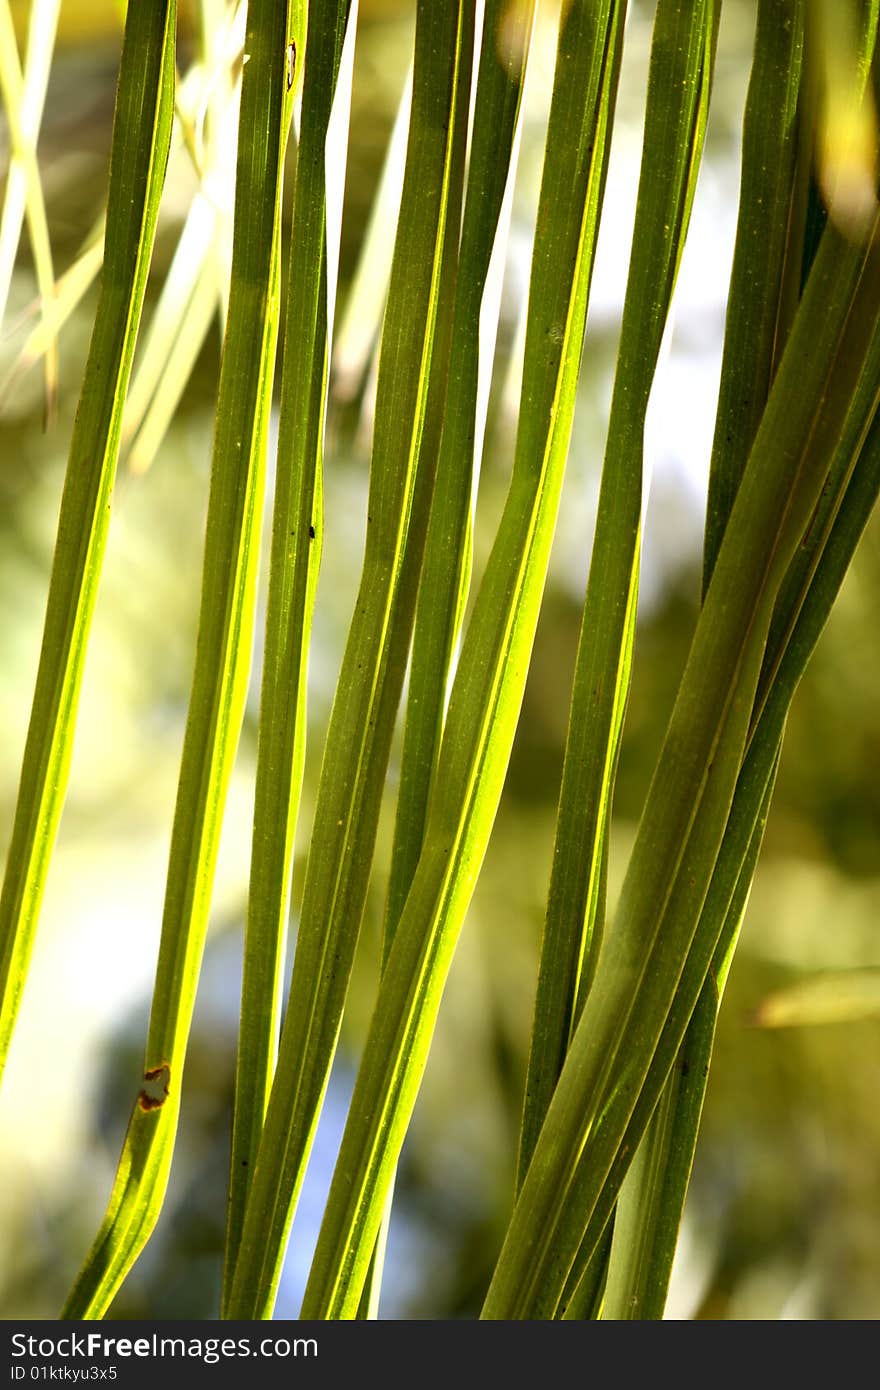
(154, 1092)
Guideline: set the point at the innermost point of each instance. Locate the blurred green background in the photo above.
(783, 1218)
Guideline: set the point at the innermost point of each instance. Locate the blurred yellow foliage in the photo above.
(78, 21)
(83, 20)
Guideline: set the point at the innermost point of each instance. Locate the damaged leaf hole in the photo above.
(154, 1091)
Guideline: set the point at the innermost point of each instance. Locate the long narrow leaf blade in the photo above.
(767, 254)
(296, 548)
(362, 718)
(710, 955)
(139, 149)
(472, 323)
(222, 655)
(488, 687)
(775, 163)
(445, 580)
(679, 83)
(687, 807)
